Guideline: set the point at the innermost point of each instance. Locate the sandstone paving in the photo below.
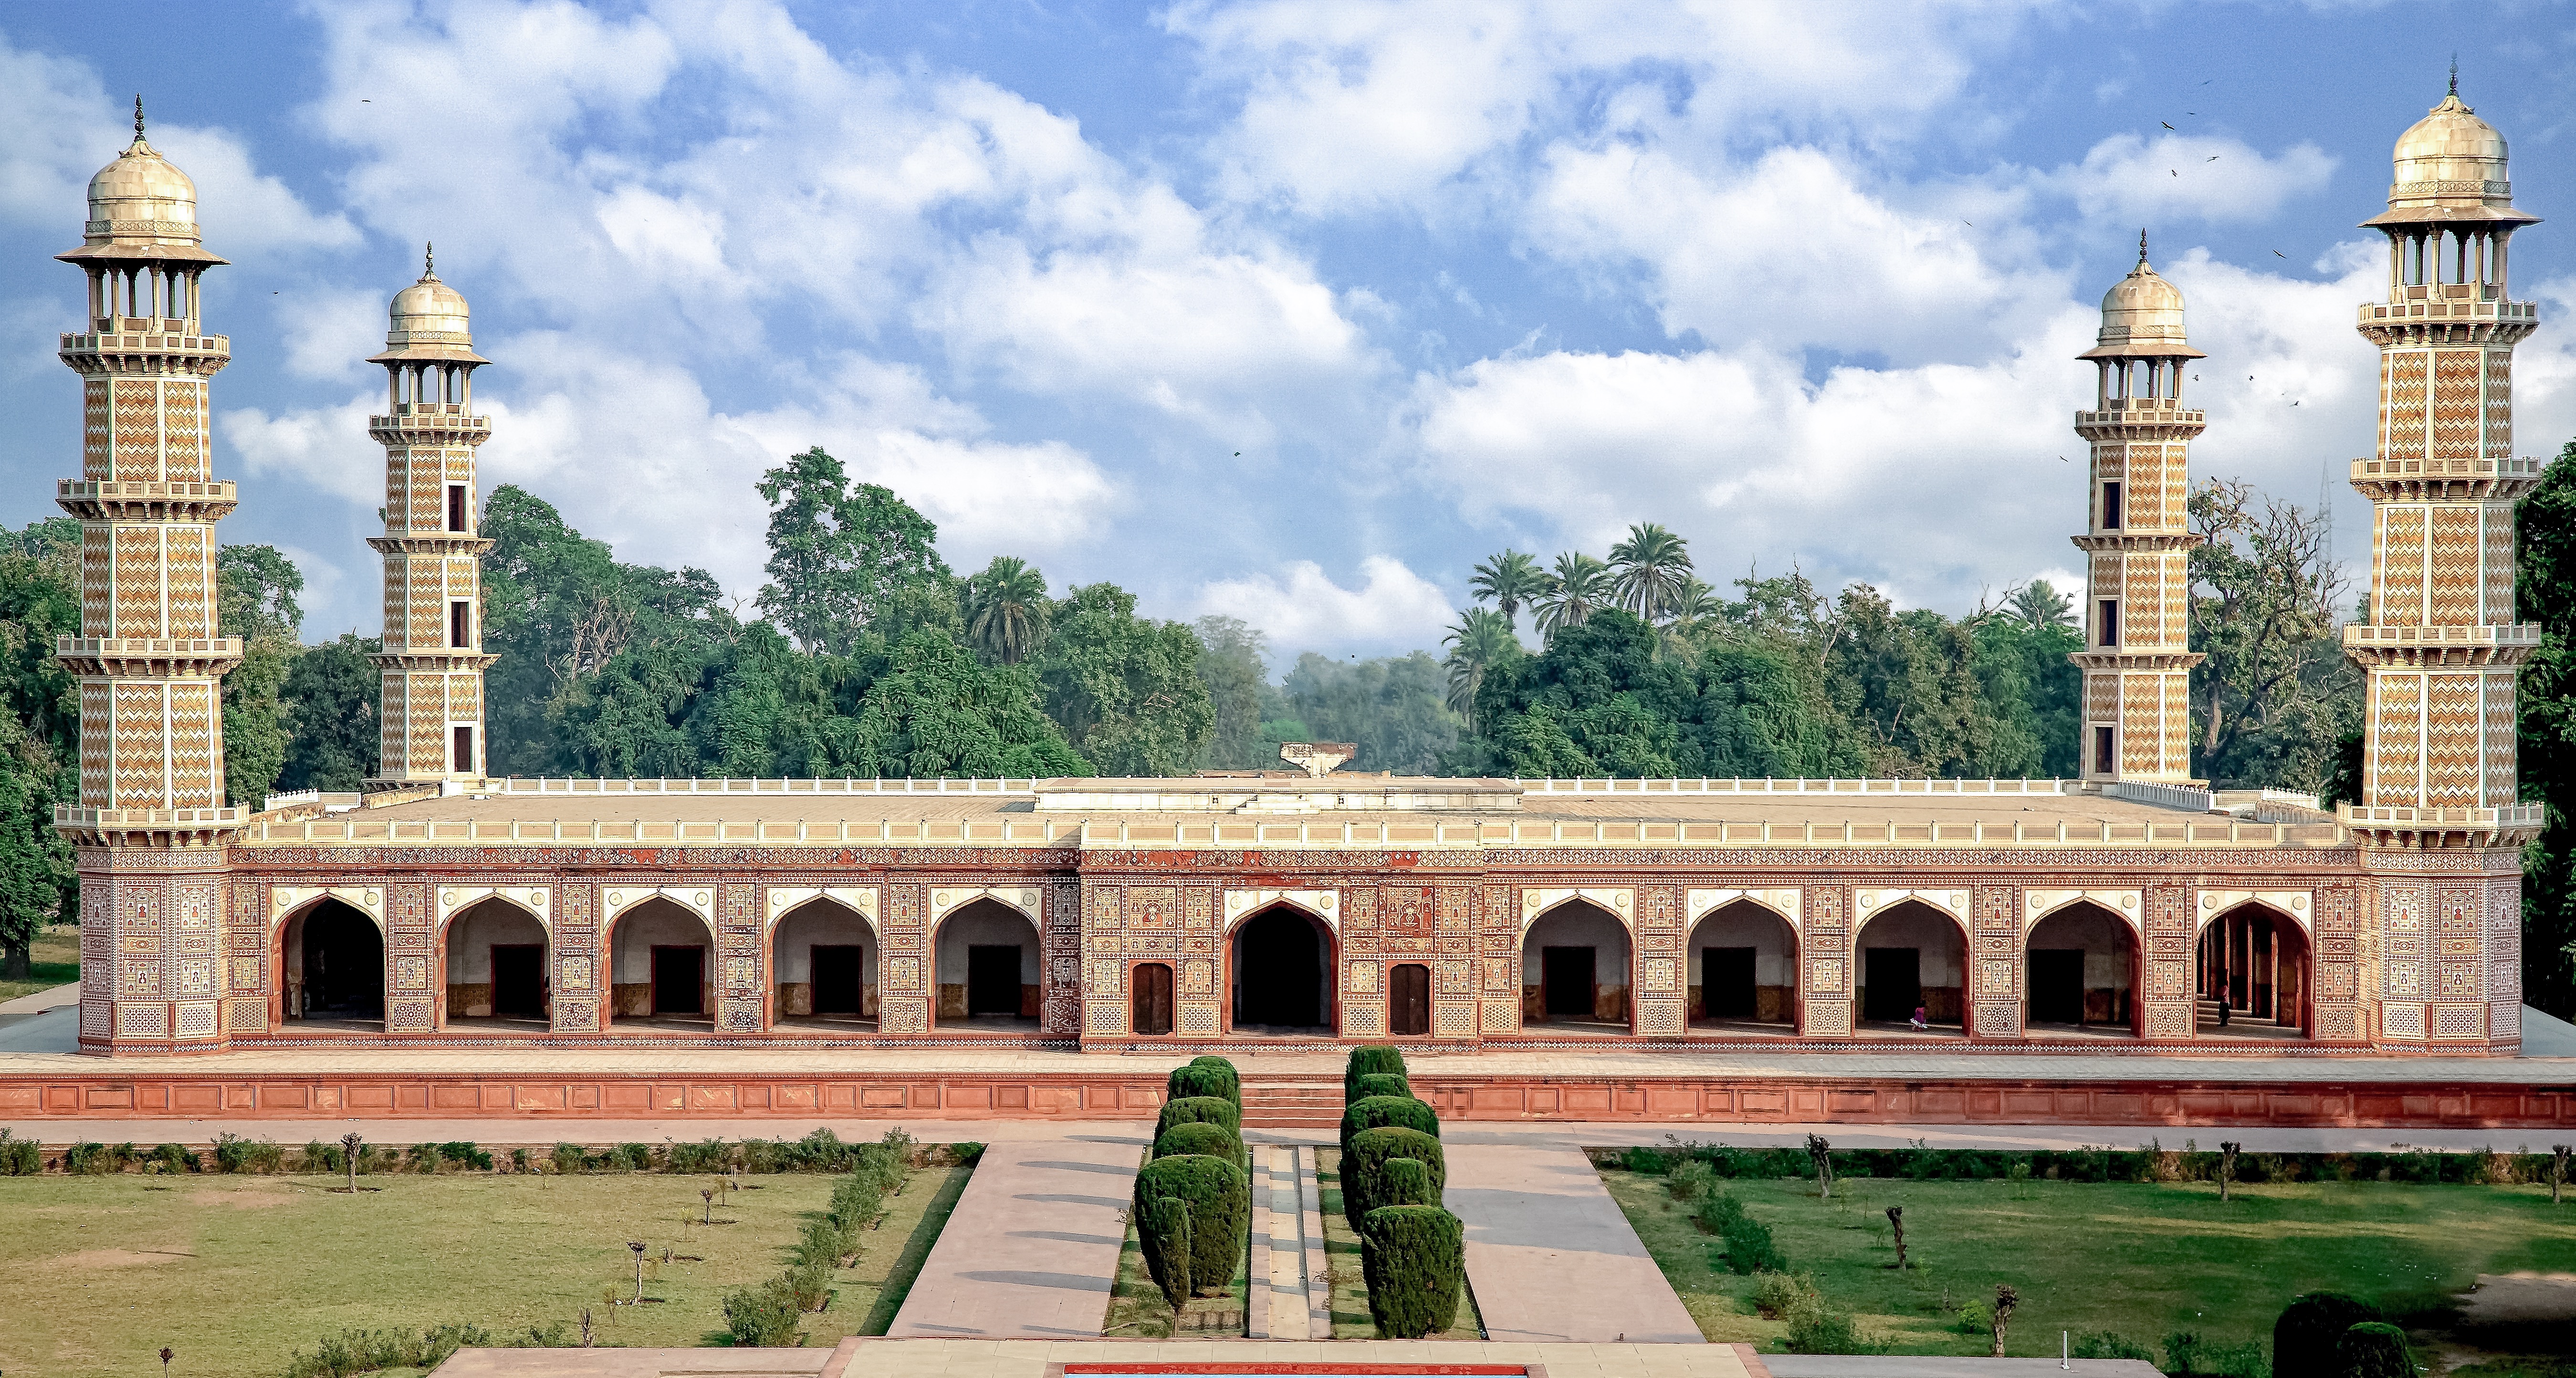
(1032, 1250)
(1550, 1255)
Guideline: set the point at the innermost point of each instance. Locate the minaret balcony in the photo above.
(149, 827)
(148, 657)
(148, 336)
(2463, 308)
(2442, 829)
(2417, 479)
(432, 418)
(2388, 644)
(145, 501)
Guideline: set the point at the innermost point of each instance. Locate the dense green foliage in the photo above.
(1406, 1182)
(1377, 1112)
(2373, 1349)
(1214, 1140)
(1193, 1080)
(1415, 1258)
(1228, 1079)
(2304, 1339)
(2545, 592)
(1220, 1214)
(1382, 1084)
(1215, 1110)
(1366, 1059)
(1363, 1185)
(1163, 1233)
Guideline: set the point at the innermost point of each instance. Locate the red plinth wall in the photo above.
(168, 1091)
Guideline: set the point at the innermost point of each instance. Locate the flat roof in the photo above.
(994, 1358)
(1328, 813)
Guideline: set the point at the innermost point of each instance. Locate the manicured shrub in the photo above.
(858, 1202)
(1645, 1161)
(1366, 1059)
(20, 1157)
(809, 1285)
(1233, 1080)
(712, 1155)
(567, 1158)
(171, 1158)
(762, 1317)
(632, 1157)
(1220, 1200)
(1406, 1182)
(1776, 1295)
(1377, 1112)
(1215, 1140)
(461, 1154)
(1415, 1260)
(2374, 1349)
(1689, 1180)
(2304, 1338)
(1199, 1110)
(1201, 1079)
(1819, 1328)
(1747, 1242)
(1381, 1084)
(87, 1159)
(317, 1157)
(1363, 1188)
(233, 1153)
(2103, 1344)
(1163, 1232)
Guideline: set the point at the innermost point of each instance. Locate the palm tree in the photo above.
(1580, 588)
(1511, 579)
(1004, 607)
(1481, 640)
(1651, 564)
(2039, 607)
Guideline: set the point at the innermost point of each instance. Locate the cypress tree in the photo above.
(1163, 1230)
(1376, 1112)
(1213, 1140)
(1382, 1084)
(1415, 1260)
(1220, 1201)
(1363, 1167)
(1200, 1079)
(1226, 1075)
(2373, 1349)
(1199, 1110)
(1406, 1182)
(1367, 1058)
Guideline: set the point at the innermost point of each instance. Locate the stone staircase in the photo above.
(2207, 1015)
(1292, 1102)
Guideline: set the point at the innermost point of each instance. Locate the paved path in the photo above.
(56, 1030)
(1033, 1248)
(1549, 1254)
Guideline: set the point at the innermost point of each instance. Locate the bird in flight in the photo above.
(2278, 254)
(2168, 124)
(2213, 157)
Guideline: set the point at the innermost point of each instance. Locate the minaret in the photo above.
(2438, 819)
(151, 824)
(2136, 659)
(432, 715)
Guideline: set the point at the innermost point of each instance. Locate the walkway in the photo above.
(1033, 1248)
(1549, 1254)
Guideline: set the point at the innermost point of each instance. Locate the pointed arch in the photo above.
(328, 962)
(1280, 965)
(824, 957)
(2083, 964)
(1742, 958)
(987, 963)
(661, 964)
(1925, 965)
(1578, 969)
(495, 961)
(2253, 964)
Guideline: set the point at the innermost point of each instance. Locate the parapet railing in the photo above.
(1039, 830)
(1927, 787)
(758, 786)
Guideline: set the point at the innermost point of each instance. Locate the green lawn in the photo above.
(54, 960)
(2137, 1259)
(234, 1273)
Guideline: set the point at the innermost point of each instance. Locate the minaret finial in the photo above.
(2455, 74)
(138, 117)
(428, 259)
(2142, 248)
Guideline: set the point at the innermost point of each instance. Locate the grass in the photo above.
(234, 1273)
(54, 961)
(1351, 1318)
(2137, 1259)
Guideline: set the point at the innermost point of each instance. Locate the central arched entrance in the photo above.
(662, 968)
(495, 957)
(331, 968)
(2255, 959)
(1744, 972)
(1574, 972)
(988, 972)
(1913, 957)
(823, 959)
(1281, 963)
(2082, 975)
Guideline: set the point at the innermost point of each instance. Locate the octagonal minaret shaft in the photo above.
(2441, 647)
(2137, 658)
(149, 657)
(431, 720)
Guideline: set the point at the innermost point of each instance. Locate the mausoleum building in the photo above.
(2130, 909)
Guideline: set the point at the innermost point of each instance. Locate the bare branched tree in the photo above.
(2265, 594)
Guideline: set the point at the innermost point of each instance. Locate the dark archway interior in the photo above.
(2256, 961)
(343, 964)
(2082, 970)
(1279, 971)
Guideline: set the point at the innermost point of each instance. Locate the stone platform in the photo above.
(1929, 1088)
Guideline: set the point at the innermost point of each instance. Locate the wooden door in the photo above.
(1152, 986)
(1408, 999)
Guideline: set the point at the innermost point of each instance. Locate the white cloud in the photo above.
(325, 448)
(329, 331)
(1392, 608)
(2132, 180)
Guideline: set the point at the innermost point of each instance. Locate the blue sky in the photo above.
(1290, 311)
